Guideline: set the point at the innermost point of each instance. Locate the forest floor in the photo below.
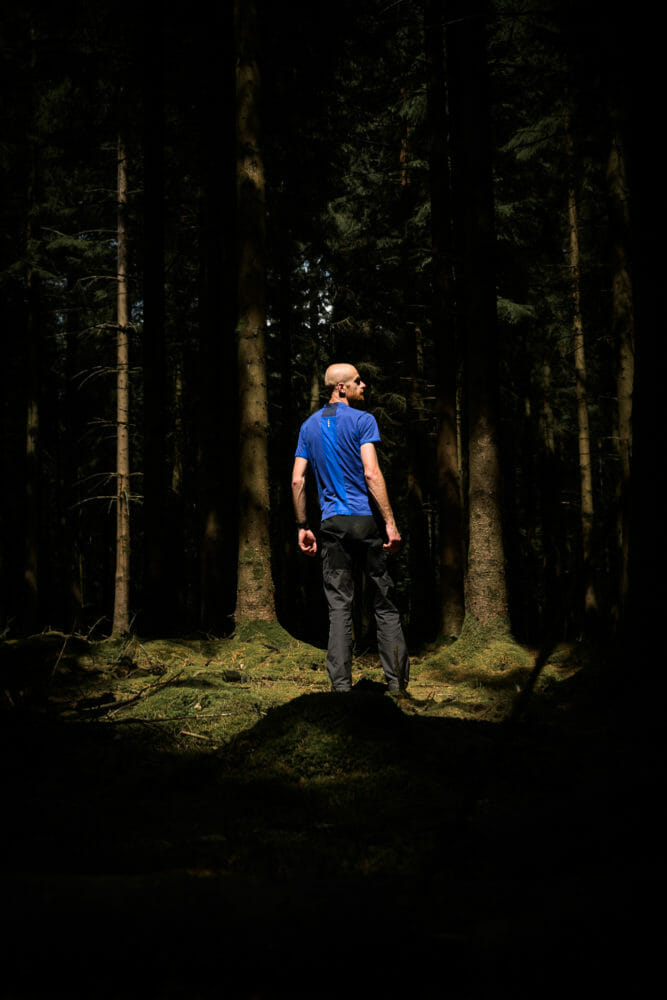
(205, 819)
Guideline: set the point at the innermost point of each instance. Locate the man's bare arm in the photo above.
(307, 540)
(377, 487)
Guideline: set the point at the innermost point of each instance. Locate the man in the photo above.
(358, 525)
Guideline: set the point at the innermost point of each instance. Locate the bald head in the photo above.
(344, 384)
(338, 373)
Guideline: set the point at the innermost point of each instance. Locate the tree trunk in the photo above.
(623, 326)
(255, 595)
(583, 430)
(450, 609)
(486, 588)
(121, 615)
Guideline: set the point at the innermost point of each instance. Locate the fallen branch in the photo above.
(145, 693)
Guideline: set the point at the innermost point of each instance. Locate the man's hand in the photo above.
(307, 541)
(393, 542)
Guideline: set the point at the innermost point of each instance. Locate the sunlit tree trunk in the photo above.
(623, 326)
(581, 389)
(451, 609)
(121, 615)
(486, 587)
(255, 596)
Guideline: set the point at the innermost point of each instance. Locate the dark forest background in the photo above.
(458, 198)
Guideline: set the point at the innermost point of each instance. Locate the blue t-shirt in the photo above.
(331, 441)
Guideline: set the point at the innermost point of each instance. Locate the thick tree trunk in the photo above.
(255, 595)
(121, 615)
(451, 608)
(486, 588)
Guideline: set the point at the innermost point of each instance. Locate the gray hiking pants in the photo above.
(349, 541)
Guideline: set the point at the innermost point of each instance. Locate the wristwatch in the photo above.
(302, 524)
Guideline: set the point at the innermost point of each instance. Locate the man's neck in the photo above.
(337, 399)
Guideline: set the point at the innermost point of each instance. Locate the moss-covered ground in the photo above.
(205, 819)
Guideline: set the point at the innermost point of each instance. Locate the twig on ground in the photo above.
(145, 693)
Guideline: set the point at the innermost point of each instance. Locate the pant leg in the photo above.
(339, 591)
(392, 646)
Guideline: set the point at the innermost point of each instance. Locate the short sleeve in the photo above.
(368, 429)
(301, 446)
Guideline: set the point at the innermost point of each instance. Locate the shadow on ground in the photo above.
(339, 846)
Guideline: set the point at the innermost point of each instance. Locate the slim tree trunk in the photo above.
(255, 596)
(486, 588)
(623, 326)
(121, 615)
(578, 343)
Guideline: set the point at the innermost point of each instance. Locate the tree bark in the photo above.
(581, 389)
(121, 615)
(486, 588)
(255, 595)
(623, 326)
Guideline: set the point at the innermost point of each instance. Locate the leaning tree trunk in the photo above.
(254, 596)
(486, 587)
(121, 614)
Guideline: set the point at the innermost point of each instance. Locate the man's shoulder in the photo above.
(364, 421)
(357, 415)
(313, 418)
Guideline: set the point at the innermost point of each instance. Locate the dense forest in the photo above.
(203, 208)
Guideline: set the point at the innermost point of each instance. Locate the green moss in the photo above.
(267, 632)
(483, 649)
